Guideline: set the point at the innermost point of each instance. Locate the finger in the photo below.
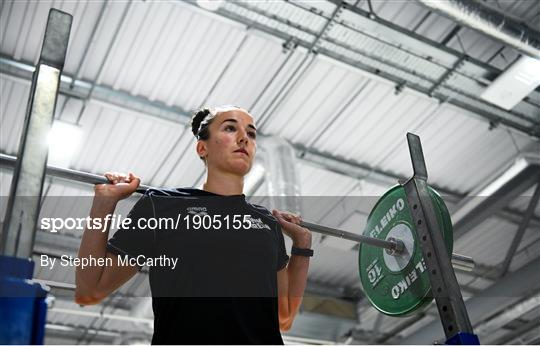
(110, 177)
(281, 215)
(134, 180)
(284, 223)
(123, 178)
(113, 177)
(292, 218)
(286, 215)
(278, 215)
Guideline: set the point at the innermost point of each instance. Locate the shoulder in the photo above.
(262, 211)
(155, 199)
(165, 196)
(170, 192)
(153, 195)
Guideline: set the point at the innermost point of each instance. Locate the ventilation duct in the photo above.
(281, 176)
(489, 22)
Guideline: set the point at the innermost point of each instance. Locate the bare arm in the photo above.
(94, 283)
(292, 279)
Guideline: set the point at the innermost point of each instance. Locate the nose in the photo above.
(242, 136)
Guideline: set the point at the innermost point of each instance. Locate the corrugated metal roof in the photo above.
(489, 243)
(14, 96)
(437, 27)
(182, 56)
(371, 128)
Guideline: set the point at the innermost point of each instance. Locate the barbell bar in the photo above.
(393, 246)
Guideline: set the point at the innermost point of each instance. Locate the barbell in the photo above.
(391, 268)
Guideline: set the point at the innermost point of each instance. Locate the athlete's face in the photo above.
(232, 143)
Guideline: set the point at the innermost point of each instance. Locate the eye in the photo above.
(252, 135)
(230, 128)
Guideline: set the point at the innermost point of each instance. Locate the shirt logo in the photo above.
(258, 223)
(197, 210)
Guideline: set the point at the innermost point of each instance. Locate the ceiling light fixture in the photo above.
(63, 139)
(210, 5)
(514, 84)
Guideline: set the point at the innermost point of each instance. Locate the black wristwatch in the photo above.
(301, 252)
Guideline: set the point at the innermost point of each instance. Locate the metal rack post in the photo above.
(444, 285)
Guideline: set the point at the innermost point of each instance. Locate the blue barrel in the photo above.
(22, 303)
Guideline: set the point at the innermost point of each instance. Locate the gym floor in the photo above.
(343, 83)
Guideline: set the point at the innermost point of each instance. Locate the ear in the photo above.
(201, 148)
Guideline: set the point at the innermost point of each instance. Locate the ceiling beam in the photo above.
(446, 93)
(108, 97)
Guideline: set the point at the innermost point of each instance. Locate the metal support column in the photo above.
(444, 284)
(22, 302)
(27, 182)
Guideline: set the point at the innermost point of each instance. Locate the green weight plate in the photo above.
(398, 285)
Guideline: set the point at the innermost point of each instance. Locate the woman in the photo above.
(232, 284)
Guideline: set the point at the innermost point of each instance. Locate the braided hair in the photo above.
(200, 122)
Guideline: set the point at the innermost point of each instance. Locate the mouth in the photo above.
(243, 151)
